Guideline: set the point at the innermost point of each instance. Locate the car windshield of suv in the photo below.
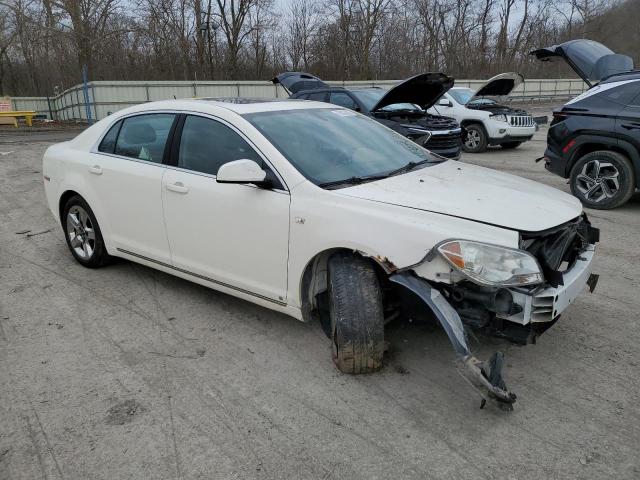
(369, 98)
(337, 147)
(461, 95)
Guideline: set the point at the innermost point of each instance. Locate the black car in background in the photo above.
(594, 139)
(402, 108)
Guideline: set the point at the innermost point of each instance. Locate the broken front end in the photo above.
(515, 294)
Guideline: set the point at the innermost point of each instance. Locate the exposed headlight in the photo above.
(490, 264)
(499, 117)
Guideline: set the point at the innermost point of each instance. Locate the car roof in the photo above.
(239, 105)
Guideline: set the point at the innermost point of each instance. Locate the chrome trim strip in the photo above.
(202, 277)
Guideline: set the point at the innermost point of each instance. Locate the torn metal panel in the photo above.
(485, 377)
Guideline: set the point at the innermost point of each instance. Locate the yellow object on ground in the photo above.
(28, 116)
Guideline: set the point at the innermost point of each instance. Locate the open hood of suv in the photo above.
(422, 90)
(591, 60)
(500, 85)
(474, 193)
(294, 82)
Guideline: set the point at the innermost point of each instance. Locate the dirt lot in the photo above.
(126, 372)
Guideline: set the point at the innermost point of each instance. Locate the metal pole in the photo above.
(85, 92)
(50, 111)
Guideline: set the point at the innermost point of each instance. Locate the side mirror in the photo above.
(241, 171)
(443, 102)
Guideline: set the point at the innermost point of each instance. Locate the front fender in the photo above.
(396, 237)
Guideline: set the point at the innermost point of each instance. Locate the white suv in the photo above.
(487, 122)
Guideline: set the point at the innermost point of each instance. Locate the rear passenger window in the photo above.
(206, 145)
(624, 94)
(144, 136)
(108, 142)
(318, 96)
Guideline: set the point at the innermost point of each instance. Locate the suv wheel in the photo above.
(603, 179)
(83, 235)
(356, 312)
(475, 140)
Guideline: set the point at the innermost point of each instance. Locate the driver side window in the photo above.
(206, 145)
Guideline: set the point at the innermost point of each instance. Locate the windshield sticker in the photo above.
(344, 113)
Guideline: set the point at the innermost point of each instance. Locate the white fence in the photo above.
(106, 97)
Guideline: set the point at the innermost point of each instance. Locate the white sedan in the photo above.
(323, 214)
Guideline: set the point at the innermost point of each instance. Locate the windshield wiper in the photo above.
(409, 166)
(352, 181)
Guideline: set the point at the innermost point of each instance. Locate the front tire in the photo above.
(356, 312)
(510, 145)
(475, 140)
(602, 179)
(83, 234)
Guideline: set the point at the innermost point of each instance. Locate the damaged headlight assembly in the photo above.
(491, 265)
(499, 117)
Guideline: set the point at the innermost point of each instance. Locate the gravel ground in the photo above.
(126, 372)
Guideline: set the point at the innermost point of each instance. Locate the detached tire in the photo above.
(603, 179)
(510, 145)
(475, 140)
(356, 312)
(83, 235)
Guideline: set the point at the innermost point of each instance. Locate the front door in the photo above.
(234, 235)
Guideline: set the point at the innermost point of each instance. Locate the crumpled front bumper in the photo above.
(545, 304)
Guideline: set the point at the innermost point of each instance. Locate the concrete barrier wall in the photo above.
(106, 97)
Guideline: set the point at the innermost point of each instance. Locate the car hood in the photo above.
(422, 90)
(500, 85)
(474, 193)
(294, 82)
(591, 60)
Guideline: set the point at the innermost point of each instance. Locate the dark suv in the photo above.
(594, 139)
(402, 108)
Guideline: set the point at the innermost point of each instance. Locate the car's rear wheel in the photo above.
(510, 145)
(83, 234)
(475, 139)
(356, 312)
(603, 179)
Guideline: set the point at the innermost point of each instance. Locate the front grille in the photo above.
(558, 248)
(443, 141)
(521, 121)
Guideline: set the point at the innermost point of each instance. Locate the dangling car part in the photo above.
(593, 138)
(486, 377)
(486, 121)
(401, 108)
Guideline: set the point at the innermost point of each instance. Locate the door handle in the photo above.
(96, 170)
(177, 187)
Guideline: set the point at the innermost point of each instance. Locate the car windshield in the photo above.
(370, 97)
(338, 145)
(461, 95)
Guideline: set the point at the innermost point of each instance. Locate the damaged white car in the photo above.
(322, 213)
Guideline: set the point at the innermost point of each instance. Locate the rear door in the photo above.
(126, 172)
(230, 234)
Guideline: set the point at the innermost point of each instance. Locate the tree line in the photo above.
(45, 43)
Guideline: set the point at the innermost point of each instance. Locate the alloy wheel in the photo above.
(82, 235)
(472, 139)
(598, 181)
